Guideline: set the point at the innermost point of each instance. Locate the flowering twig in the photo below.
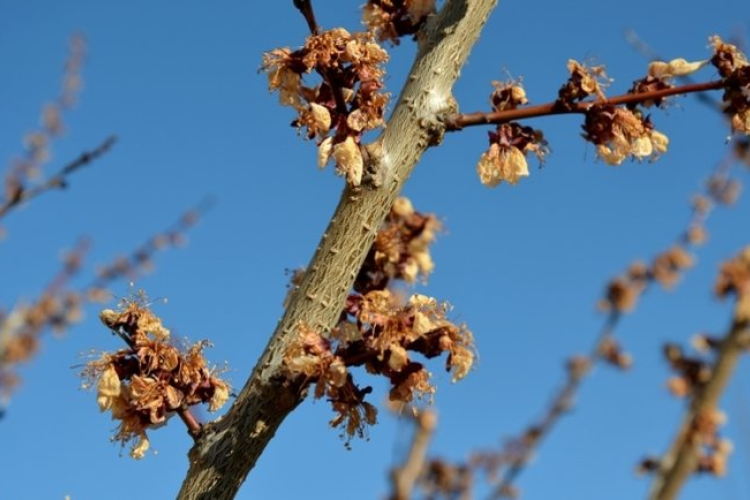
(458, 121)
(701, 420)
(621, 297)
(57, 181)
(59, 307)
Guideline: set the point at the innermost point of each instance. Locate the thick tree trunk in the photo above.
(228, 449)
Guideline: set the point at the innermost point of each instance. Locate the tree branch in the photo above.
(227, 449)
(459, 121)
(682, 459)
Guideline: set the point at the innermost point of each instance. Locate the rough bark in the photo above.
(227, 449)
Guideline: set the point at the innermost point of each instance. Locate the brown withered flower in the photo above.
(391, 19)
(145, 383)
(506, 158)
(620, 133)
(346, 103)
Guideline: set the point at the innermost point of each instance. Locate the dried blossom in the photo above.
(391, 19)
(506, 158)
(143, 384)
(583, 82)
(734, 278)
(619, 133)
(381, 333)
(401, 249)
(347, 103)
(667, 266)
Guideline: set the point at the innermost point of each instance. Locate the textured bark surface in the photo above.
(228, 448)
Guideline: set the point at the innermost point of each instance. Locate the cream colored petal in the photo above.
(398, 358)
(349, 160)
(324, 152)
(139, 450)
(675, 67)
(322, 118)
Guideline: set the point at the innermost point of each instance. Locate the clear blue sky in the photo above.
(523, 266)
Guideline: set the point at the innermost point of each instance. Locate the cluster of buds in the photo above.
(714, 449)
(735, 70)
(346, 104)
(691, 372)
(391, 19)
(734, 279)
(584, 82)
(611, 352)
(378, 331)
(703, 433)
(505, 160)
(401, 249)
(153, 378)
(622, 293)
(620, 133)
(442, 479)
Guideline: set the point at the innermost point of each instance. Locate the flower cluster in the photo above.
(152, 378)
(713, 449)
(735, 70)
(58, 307)
(583, 82)
(401, 249)
(381, 331)
(391, 19)
(734, 279)
(620, 133)
(691, 372)
(378, 331)
(347, 103)
(505, 160)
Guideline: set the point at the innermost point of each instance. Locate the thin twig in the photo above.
(405, 477)
(458, 121)
(59, 180)
(306, 8)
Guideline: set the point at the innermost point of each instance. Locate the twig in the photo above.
(405, 477)
(682, 459)
(459, 121)
(59, 180)
(305, 6)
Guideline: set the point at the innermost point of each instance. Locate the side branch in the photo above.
(458, 121)
(57, 181)
(228, 449)
(682, 459)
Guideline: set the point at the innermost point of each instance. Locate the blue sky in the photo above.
(523, 266)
